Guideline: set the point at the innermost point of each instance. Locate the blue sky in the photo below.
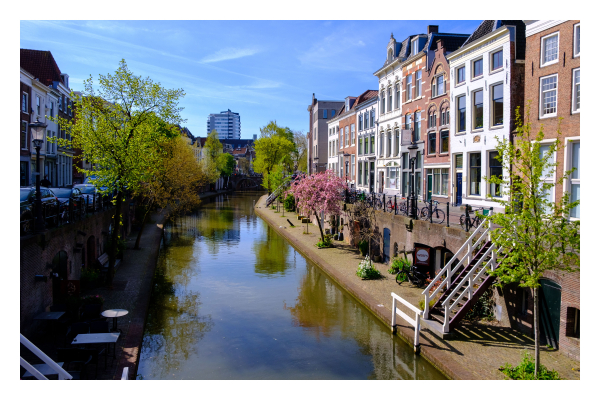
(264, 70)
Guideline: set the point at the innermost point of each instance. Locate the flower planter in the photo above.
(305, 220)
(377, 258)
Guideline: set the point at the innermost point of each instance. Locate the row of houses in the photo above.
(454, 96)
(45, 94)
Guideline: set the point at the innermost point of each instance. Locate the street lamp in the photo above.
(37, 132)
(412, 152)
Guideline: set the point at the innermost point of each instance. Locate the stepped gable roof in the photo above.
(41, 64)
(489, 26)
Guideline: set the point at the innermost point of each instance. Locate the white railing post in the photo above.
(31, 369)
(450, 273)
(62, 374)
(125, 375)
(469, 252)
(393, 314)
(417, 330)
(471, 283)
(426, 311)
(446, 317)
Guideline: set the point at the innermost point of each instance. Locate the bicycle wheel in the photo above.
(439, 216)
(401, 277)
(425, 213)
(462, 220)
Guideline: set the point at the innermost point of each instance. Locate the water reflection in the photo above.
(214, 316)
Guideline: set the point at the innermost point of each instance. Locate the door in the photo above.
(458, 188)
(429, 186)
(386, 244)
(381, 180)
(550, 293)
(372, 178)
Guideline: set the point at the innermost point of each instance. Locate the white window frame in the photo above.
(552, 180)
(352, 134)
(567, 165)
(418, 83)
(352, 166)
(473, 77)
(491, 105)
(382, 102)
(501, 49)
(390, 94)
(542, 53)
(26, 133)
(540, 105)
(575, 28)
(573, 97)
(409, 88)
(38, 105)
(26, 111)
(346, 136)
(456, 82)
(398, 95)
(414, 46)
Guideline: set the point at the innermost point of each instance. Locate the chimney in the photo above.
(432, 29)
(440, 44)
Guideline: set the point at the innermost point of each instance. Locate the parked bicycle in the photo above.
(414, 276)
(474, 220)
(438, 216)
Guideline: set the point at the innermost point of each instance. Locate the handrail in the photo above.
(414, 322)
(31, 369)
(62, 374)
(125, 375)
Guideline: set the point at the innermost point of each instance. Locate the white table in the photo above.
(44, 369)
(51, 316)
(95, 338)
(114, 314)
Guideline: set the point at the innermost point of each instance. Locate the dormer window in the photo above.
(347, 104)
(415, 47)
(390, 55)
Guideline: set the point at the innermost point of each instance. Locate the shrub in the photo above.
(89, 275)
(526, 369)
(431, 303)
(289, 203)
(325, 243)
(97, 299)
(366, 270)
(400, 264)
(483, 308)
(363, 246)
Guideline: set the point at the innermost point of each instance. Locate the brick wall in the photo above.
(38, 251)
(351, 149)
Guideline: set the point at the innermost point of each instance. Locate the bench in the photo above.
(103, 262)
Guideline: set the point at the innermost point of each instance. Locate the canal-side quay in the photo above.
(476, 351)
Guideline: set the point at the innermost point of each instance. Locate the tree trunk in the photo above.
(112, 249)
(536, 329)
(320, 229)
(139, 236)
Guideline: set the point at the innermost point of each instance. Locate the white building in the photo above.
(367, 128)
(333, 145)
(227, 124)
(482, 73)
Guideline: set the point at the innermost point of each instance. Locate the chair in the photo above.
(58, 307)
(91, 311)
(99, 326)
(73, 358)
(75, 329)
(94, 356)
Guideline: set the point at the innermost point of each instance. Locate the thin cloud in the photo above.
(228, 53)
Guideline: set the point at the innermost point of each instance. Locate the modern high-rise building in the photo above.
(227, 124)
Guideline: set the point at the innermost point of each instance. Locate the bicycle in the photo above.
(414, 276)
(474, 221)
(438, 216)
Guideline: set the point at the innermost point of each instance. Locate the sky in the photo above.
(263, 70)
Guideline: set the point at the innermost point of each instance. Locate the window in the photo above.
(548, 96)
(352, 166)
(382, 102)
(417, 83)
(70, 105)
(475, 173)
(408, 121)
(576, 40)
(372, 144)
(477, 68)
(381, 144)
(372, 124)
(360, 166)
(24, 173)
(437, 86)
(325, 114)
(431, 143)
(440, 181)
(52, 109)
(397, 143)
(431, 121)
(496, 60)
(346, 137)
(495, 170)
(445, 116)
(24, 134)
(461, 111)
(547, 175)
(575, 178)
(497, 105)
(460, 74)
(366, 120)
(417, 126)
(408, 87)
(352, 134)
(61, 99)
(398, 101)
(389, 99)
(415, 47)
(444, 141)
(38, 104)
(478, 109)
(24, 103)
(389, 144)
(360, 144)
(458, 161)
(573, 321)
(366, 145)
(366, 171)
(360, 124)
(549, 49)
(392, 178)
(576, 90)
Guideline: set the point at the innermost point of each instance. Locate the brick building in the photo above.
(344, 123)
(552, 91)
(320, 111)
(25, 137)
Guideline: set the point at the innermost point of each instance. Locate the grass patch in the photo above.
(525, 370)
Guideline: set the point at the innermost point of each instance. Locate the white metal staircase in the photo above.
(462, 281)
(62, 374)
(276, 193)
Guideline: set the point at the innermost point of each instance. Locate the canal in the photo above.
(233, 300)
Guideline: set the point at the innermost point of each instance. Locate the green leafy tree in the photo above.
(535, 235)
(119, 126)
(299, 154)
(278, 177)
(226, 164)
(212, 151)
(269, 153)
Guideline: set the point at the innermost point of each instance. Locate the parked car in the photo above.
(87, 194)
(49, 203)
(67, 195)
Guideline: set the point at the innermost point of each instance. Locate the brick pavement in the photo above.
(476, 351)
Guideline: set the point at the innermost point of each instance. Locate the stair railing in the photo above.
(276, 193)
(414, 322)
(62, 374)
(448, 271)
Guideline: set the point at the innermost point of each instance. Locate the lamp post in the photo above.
(412, 151)
(37, 132)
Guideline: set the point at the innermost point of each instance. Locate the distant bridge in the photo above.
(245, 182)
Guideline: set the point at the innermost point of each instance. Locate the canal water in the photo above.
(233, 300)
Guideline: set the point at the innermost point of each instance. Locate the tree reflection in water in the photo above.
(271, 254)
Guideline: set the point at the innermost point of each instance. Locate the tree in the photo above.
(269, 152)
(535, 235)
(212, 150)
(243, 165)
(278, 178)
(174, 183)
(299, 154)
(366, 217)
(119, 127)
(226, 164)
(320, 192)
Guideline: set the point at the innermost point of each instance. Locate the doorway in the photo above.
(372, 178)
(386, 244)
(381, 180)
(429, 186)
(550, 294)
(458, 188)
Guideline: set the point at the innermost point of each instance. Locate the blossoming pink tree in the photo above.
(320, 192)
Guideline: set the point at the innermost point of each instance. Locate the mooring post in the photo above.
(448, 214)
(393, 314)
